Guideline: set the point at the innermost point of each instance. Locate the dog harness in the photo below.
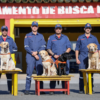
(57, 62)
(5, 54)
(49, 60)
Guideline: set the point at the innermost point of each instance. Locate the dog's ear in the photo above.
(88, 46)
(95, 46)
(8, 44)
(46, 53)
(1, 45)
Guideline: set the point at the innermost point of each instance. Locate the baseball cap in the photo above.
(4, 27)
(34, 23)
(58, 26)
(88, 25)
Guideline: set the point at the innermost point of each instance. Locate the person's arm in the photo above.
(76, 53)
(49, 49)
(26, 45)
(77, 50)
(97, 43)
(99, 54)
(68, 45)
(14, 47)
(98, 46)
(43, 45)
(49, 45)
(50, 52)
(99, 51)
(68, 50)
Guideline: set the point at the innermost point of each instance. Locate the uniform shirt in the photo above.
(58, 45)
(12, 44)
(82, 43)
(34, 42)
(4, 39)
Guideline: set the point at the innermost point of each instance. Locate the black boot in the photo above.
(42, 92)
(81, 92)
(26, 92)
(51, 93)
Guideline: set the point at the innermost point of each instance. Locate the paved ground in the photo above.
(4, 95)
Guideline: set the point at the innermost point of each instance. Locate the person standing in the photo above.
(13, 49)
(82, 53)
(34, 42)
(57, 45)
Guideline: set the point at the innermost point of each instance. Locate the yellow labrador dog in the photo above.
(49, 68)
(93, 56)
(5, 57)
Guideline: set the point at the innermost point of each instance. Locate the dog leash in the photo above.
(6, 54)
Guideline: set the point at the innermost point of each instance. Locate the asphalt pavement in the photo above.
(74, 93)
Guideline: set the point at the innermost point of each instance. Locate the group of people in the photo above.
(57, 44)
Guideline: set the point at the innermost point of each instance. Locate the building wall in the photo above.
(2, 22)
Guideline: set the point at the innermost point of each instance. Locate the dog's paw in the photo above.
(88, 68)
(97, 69)
(43, 74)
(48, 75)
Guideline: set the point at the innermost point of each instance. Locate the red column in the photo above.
(7, 23)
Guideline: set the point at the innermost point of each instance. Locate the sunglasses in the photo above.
(4, 30)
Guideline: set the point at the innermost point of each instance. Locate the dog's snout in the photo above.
(91, 49)
(7, 46)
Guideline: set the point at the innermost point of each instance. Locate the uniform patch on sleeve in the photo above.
(25, 36)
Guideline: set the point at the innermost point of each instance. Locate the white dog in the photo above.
(49, 68)
(93, 56)
(5, 57)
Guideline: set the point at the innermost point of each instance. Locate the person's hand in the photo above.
(36, 57)
(34, 53)
(78, 61)
(56, 56)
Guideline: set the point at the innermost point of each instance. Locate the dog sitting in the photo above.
(5, 57)
(48, 64)
(61, 63)
(93, 56)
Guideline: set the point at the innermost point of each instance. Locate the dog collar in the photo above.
(94, 52)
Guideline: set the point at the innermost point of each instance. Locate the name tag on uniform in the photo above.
(29, 36)
(82, 39)
(54, 40)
